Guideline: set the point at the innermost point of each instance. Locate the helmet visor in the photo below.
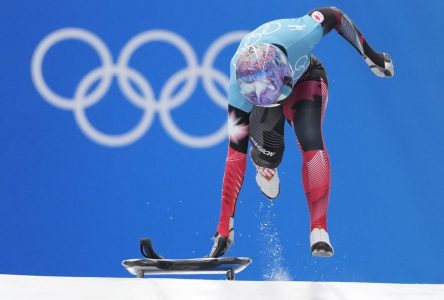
(264, 75)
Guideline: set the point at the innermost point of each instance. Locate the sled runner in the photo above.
(154, 264)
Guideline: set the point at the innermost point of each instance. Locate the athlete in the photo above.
(273, 78)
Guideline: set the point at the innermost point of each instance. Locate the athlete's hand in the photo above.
(386, 71)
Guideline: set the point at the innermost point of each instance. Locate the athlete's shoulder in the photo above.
(306, 22)
(287, 23)
(283, 28)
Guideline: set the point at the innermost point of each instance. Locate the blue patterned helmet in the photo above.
(264, 76)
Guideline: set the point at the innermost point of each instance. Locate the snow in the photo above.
(15, 287)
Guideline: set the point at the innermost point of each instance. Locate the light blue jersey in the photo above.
(298, 36)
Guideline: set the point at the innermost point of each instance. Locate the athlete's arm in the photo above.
(235, 165)
(331, 17)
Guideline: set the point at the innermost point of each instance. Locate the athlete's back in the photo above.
(296, 37)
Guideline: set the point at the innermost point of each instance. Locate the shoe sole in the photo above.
(321, 253)
(321, 249)
(272, 198)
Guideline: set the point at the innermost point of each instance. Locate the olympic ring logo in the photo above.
(301, 66)
(265, 29)
(255, 37)
(126, 75)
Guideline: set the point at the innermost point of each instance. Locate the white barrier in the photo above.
(14, 287)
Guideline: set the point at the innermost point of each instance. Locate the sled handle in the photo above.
(146, 248)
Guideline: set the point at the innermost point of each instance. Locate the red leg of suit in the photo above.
(233, 178)
(316, 181)
(306, 110)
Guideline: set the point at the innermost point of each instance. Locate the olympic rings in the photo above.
(144, 97)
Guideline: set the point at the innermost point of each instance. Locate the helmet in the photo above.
(264, 76)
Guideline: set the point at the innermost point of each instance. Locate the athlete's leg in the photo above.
(267, 140)
(235, 166)
(305, 111)
(267, 136)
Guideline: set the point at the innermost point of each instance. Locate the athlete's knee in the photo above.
(307, 125)
(309, 138)
(264, 156)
